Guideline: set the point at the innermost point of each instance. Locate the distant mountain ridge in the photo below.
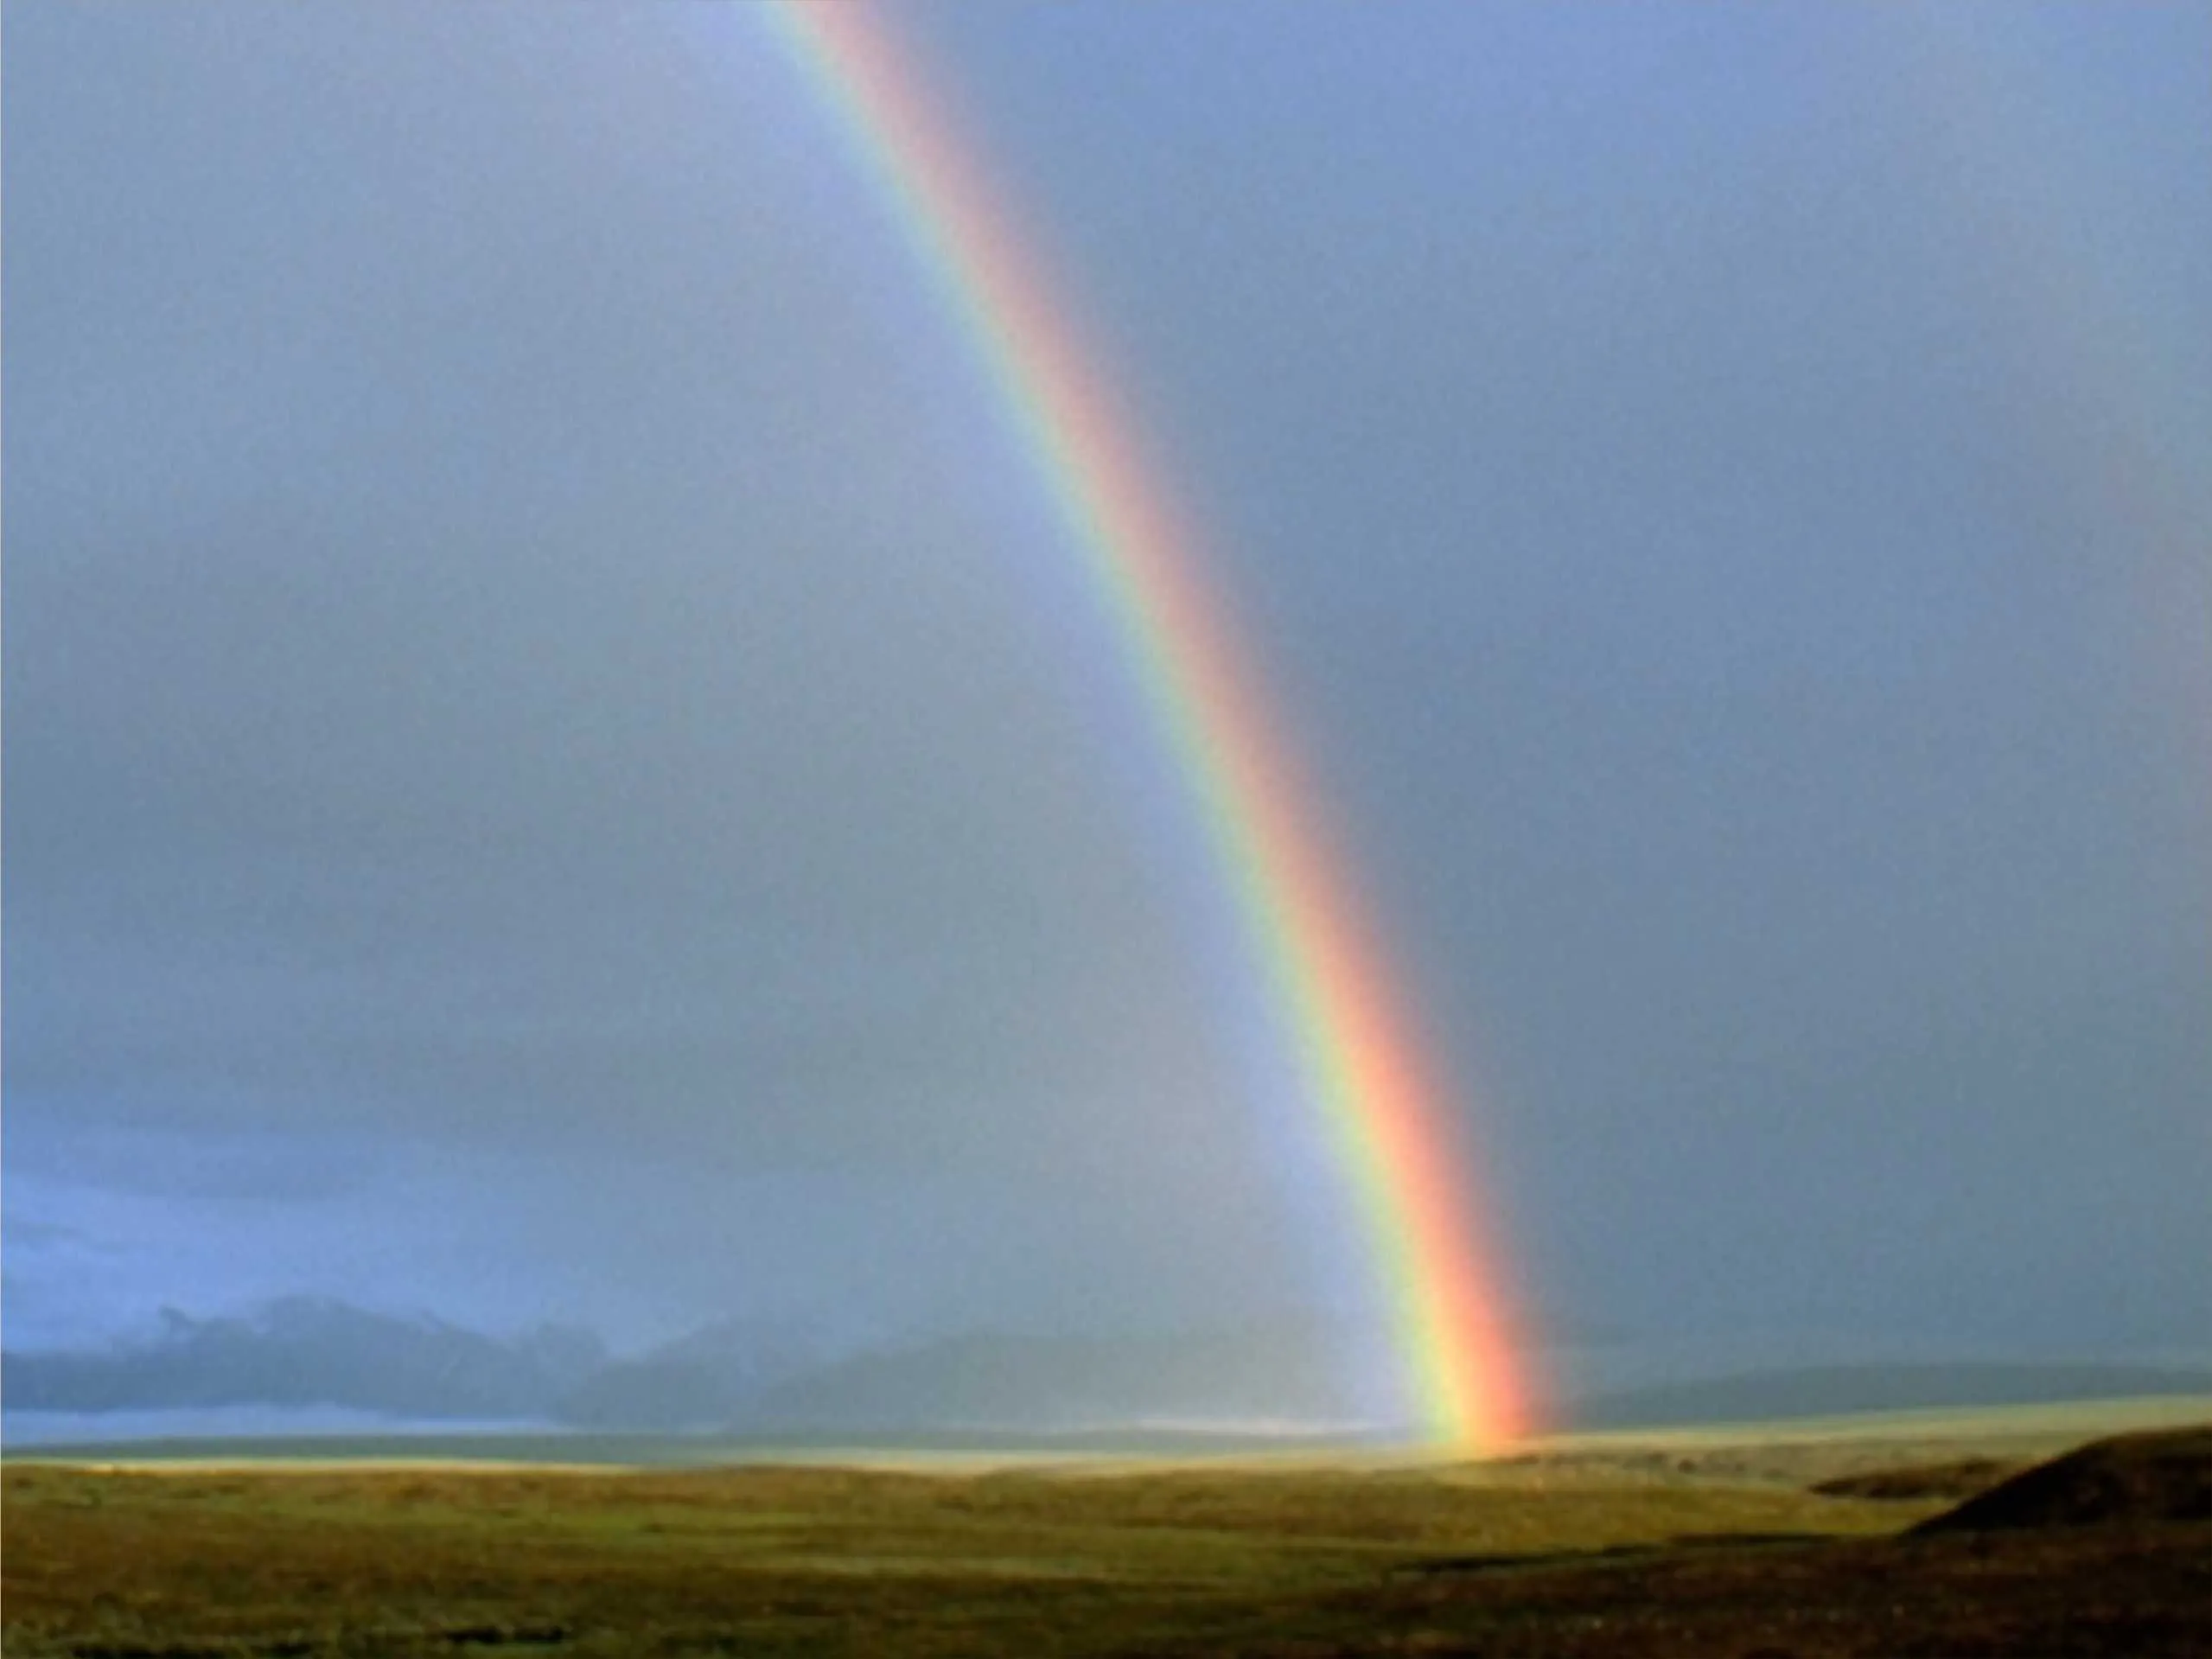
(1843, 1390)
(765, 1383)
(699, 1381)
(1279, 1376)
(737, 1377)
(306, 1350)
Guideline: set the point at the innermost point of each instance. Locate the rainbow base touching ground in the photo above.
(1384, 1112)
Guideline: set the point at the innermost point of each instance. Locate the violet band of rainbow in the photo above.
(1384, 1116)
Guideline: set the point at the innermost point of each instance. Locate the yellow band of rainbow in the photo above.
(1382, 1112)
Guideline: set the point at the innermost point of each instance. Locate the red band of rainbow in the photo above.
(1366, 1081)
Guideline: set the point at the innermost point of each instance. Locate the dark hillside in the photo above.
(2159, 1475)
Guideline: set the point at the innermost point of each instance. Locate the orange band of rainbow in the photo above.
(1366, 1078)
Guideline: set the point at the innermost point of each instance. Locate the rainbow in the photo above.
(1318, 957)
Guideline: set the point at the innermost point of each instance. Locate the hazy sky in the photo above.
(558, 765)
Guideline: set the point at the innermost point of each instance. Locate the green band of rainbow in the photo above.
(1365, 1077)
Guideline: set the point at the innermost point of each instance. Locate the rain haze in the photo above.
(564, 771)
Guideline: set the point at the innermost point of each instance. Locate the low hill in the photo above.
(2163, 1474)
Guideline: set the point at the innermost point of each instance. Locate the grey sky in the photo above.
(557, 768)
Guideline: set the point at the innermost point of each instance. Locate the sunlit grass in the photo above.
(783, 1560)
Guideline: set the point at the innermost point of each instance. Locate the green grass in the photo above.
(1664, 1546)
(781, 1560)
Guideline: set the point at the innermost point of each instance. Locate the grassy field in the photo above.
(1613, 1545)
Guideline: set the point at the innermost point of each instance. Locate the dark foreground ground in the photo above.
(1543, 1557)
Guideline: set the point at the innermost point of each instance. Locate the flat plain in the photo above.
(1780, 1540)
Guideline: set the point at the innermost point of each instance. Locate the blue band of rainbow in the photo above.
(1364, 1075)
